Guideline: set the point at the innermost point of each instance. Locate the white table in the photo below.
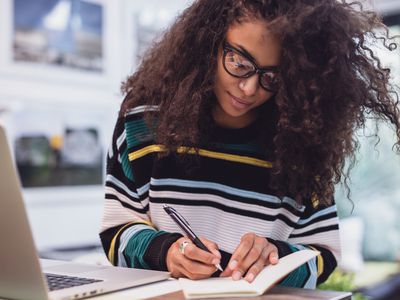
(144, 291)
(170, 290)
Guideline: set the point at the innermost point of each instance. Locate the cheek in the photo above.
(224, 80)
(264, 96)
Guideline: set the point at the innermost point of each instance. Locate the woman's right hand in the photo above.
(193, 262)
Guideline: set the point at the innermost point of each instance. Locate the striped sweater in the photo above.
(222, 193)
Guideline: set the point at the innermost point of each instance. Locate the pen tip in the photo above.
(219, 267)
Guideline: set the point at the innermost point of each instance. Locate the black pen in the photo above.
(185, 226)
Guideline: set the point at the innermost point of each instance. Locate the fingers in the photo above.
(192, 270)
(173, 260)
(268, 256)
(257, 256)
(273, 257)
(194, 253)
(236, 261)
(213, 247)
(250, 257)
(190, 261)
(196, 269)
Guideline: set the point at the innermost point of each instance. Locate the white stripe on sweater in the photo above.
(225, 189)
(230, 227)
(142, 108)
(121, 139)
(123, 198)
(328, 239)
(252, 208)
(122, 186)
(320, 224)
(320, 213)
(114, 208)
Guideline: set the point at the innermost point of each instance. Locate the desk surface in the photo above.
(277, 293)
(170, 290)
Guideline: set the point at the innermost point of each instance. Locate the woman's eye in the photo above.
(239, 65)
(243, 64)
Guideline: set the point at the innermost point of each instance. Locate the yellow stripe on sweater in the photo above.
(207, 153)
(111, 251)
(320, 262)
(146, 150)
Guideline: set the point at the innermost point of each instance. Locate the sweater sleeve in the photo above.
(317, 229)
(128, 236)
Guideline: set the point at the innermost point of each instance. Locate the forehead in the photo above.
(255, 38)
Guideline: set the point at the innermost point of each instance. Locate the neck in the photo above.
(227, 121)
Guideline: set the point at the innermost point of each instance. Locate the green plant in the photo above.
(341, 281)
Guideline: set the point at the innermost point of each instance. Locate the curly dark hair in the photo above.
(331, 83)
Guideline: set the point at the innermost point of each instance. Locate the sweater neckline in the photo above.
(237, 135)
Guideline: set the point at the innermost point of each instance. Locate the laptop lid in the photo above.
(19, 264)
(21, 273)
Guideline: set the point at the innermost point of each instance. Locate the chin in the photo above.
(232, 112)
(236, 115)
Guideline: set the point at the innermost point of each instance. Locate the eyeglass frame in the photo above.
(257, 70)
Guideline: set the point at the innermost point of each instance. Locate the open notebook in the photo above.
(227, 287)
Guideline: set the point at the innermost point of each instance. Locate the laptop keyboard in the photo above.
(58, 282)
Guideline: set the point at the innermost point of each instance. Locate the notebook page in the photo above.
(273, 273)
(215, 287)
(227, 287)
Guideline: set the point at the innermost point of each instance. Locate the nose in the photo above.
(249, 85)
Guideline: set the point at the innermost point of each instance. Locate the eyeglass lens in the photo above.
(239, 66)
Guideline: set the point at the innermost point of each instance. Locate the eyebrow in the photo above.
(243, 49)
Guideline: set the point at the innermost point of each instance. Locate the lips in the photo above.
(239, 103)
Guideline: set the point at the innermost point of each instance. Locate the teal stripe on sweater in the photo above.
(298, 277)
(249, 148)
(124, 240)
(137, 246)
(137, 132)
(126, 165)
(312, 268)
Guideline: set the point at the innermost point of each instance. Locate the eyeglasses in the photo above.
(241, 65)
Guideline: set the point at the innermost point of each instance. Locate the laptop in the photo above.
(24, 276)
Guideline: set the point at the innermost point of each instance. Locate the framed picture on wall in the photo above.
(65, 33)
(55, 39)
(70, 152)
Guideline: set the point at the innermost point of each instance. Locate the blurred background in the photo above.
(61, 66)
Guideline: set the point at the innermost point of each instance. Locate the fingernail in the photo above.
(216, 253)
(236, 275)
(250, 277)
(215, 261)
(274, 257)
(233, 264)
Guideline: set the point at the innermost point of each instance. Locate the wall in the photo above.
(37, 93)
(70, 216)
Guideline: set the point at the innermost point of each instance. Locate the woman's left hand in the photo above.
(250, 257)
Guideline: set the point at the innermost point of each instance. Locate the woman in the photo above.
(241, 118)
